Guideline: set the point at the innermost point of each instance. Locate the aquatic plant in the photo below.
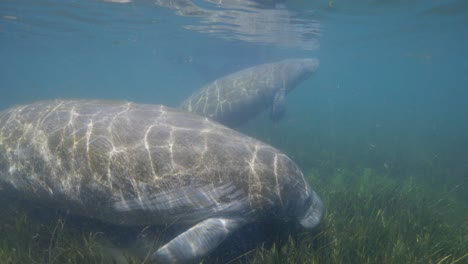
(371, 218)
(30, 234)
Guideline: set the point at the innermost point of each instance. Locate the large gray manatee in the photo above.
(235, 98)
(134, 164)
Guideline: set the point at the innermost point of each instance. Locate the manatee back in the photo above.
(235, 98)
(134, 162)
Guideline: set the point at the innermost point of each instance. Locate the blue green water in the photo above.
(390, 93)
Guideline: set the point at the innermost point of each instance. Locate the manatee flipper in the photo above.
(278, 109)
(198, 240)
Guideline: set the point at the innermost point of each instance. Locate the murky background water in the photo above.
(390, 93)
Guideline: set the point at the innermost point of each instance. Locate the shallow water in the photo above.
(389, 96)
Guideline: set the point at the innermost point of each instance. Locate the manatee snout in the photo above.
(313, 214)
(300, 70)
(310, 65)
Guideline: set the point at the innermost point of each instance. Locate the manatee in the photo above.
(135, 164)
(235, 98)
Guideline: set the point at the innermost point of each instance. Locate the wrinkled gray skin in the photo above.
(132, 164)
(235, 98)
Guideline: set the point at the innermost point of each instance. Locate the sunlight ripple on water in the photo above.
(242, 20)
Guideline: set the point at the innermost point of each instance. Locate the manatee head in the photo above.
(295, 71)
(307, 209)
(299, 203)
(311, 212)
